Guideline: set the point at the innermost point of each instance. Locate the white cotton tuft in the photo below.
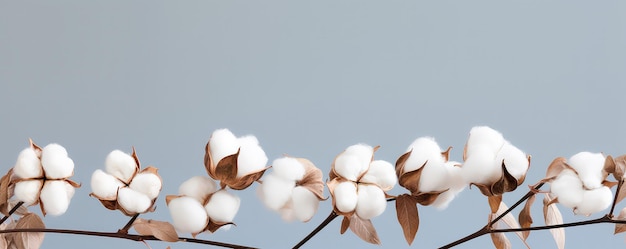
(223, 143)
(355, 160)
(423, 149)
(276, 191)
(223, 206)
(514, 159)
(484, 136)
(568, 188)
(188, 215)
(121, 165)
(595, 200)
(304, 203)
(288, 168)
(133, 201)
(434, 177)
(456, 184)
(55, 162)
(148, 184)
(251, 158)
(28, 165)
(55, 197)
(345, 196)
(371, 201)
(381, 173)
(287, 213)
(104, 185)
(481, 167)
(589, 167)
(198, 187)
(28, 191)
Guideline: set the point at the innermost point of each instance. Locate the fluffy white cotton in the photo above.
(188, 215)
(484, 136)
(147, 183)
(223, 206)
(276, 191)
(514, 159)
(589, 167)
(422, 150)
(345, 196)
(28, 191)
(481, 167)
(455, 185)
(198, 187)
(355, 160)
(434, 177)
(251, 158)
(55, 162)
(381, 173)
(304, 203)
(595, 200)
(288, 168)
(104, 185)
(568, 188)
(52, 150)
(121, 165)
(28, 165)
(133, 201)
(371, 201)
(55, 197)
(223, 143)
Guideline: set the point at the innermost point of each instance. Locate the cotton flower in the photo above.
(123, 186)
(43, 178)
(294, 188)
(358, 182)
(235, 162)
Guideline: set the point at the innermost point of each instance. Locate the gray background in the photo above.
(310, 78)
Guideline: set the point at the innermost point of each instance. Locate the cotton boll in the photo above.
(55, 197)
(434, 178)
(188, 215)
(121, 165)
(481, 167)
(104, 185)
(595, 200)
(589, 167)
(348, 166)
(53, 150)
(28, 165)
(515, 160)
(305, 203)
(251, 159)
(484, 136)
(381, 173)
(288, 168)
(223, 143)
(568, 188)
(455, 184)
(28, 191)
(371, 201)
(362, 154)
(133, 201)
(223, 206)
(422, 150)
(345, 196)
(57, 167)
(148, 184)
(198, 187)
(276, 191)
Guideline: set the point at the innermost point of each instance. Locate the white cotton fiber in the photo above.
(28, 191)
(481, 167)
(133, 201)
(55, 197)
(423, 149)
(148, 184)
(276, 191)
(223, 206)
(304, 203)
(589, 167)
(345, 196)
(515, 160)
(455, 184)
(251, 158)
(288, 168)
(104, 185)
(595, 200)
(120, 165)
(568, 188)
(483, 136)
(28, 165)
(223, 143)
(371, 201)
(286, 213)
(55, 162)
(348, 166)
(198, 187)
(188, 215)
(434, 177)
(381, 173)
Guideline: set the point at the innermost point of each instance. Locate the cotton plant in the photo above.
(123, 186)
(41, 176)
(293, 188)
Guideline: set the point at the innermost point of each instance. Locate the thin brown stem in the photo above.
(319, 228)
(619, 186)
(126, 227)
(18, 205)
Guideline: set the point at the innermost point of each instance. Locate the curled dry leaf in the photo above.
(525, 219)
(29, 240)
(552, 216)
(620, 228)
(345, 223)
(312, 179)
(408, 217)
(5, 194)
(494, 202)
(225, 171)
(500, 241)
(556, 166)
(509, 220)
(506, 183)
(364, 229)
(160, 229)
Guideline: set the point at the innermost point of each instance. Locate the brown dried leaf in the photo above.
(552, 216)
(484, 189)
(524, 217)
(364, 229)
(5, 181)
(34, 146)
(446, 154)
(427, 198)
(411, 180)
(620, 167)
(213, 226)
(620, 228)
(408, 217)
(507, 182)
(312, 179)
(609, 167)
(209, 165)
(345, 223)
(160, 229)
(510, 221)
(226, 169)
(73, 183)
(556, 166)
(29, 240)
(401, 162)
(494, 202)
(500, 241)
(246, 181)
